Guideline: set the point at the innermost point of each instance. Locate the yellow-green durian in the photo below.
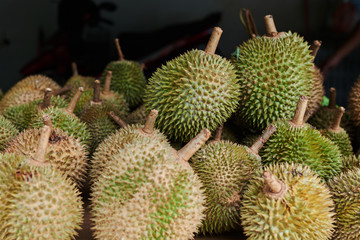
(76, 81)
(7, 132)
(350, 162)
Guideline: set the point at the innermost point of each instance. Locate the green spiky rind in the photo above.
(350, 162)
(77, 81)
(117, 141)
(7, 132)
(100, 129)
(66, 122)
(305, 212)
(127, 79)
(64, 152)
(46, 207)
(149, 195)
(273, 73)
(341, 139)
(318, 92)
(86, 96)
(191, 92)
(346, 194)
(224, 169)
(22, 115)
(303, 145)
(137, 116)
(354, 102)
(21, 95)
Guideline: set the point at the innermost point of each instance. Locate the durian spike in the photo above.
(218, 133)
(259, 143)
(47, 121)
(121, 55)
(214, 40)
(186, 152)
(148, 128)
(74, 69)
(96, 97)
(270, 26)
(298, 119)
(107, 84)
(40, 154)
(47, 99)
(70, 108)
(62, 90)
(332, 98)
(273, 187)
(117, 119)
(335, 126)
(315, 48)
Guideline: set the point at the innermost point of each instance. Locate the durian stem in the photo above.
(259, 143)
(270, 26)
(121, 55)
(117, 119)
(214, 40)
(273, 187)
(74, 69)
(47, 99)
(47, 121)
(186, 152)
(298, 119)
(337, 120)
(143, 66)
(315, 48)
(96, 97)
(332, 98)
(70, 108)
(107, 84)
(40, 155)
(150, 122)
(218, 133)
(62, 90)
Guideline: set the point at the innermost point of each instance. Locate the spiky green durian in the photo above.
(128, 79)
(7, 132)
(346, 194)
(85, 98)
(273, 71)
(289, 201)
(137, 116)
(350, 162)
(76, 81)
(193, 91)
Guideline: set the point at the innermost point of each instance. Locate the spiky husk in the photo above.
(127, 79)
(20, 96)
(64, 152)
(272, 73)
(191, 92)
(144, 193)
(77, 81)
(350, 162)
(22, 115)
(354, 102)
(36, 202)
(7, 132)
(318, 92)
(346, 194)
(341, 139)
(37, 82)
(303, 145)
(137, 116)
(305, 212)
(224, 169)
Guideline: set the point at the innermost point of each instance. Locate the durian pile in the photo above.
(143, 149)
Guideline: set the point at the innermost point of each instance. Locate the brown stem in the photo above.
(214, 40)
(96, 97)
(259, 143)
(47, 99)
(270, 26)
(335, 126)
(298, 119)
(186, 152)
(62, 90)
(47, 121)
(117, 119)
(143, 66)
(332, 98)
(107, 84)
(40, 154)
(74, 69)
(121, 55)
(273, 188)
(315, 48)
(218, 133)
(150, 122)
(70, 108)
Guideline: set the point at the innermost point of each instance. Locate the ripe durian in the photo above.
(37, 201)
(128, 78)
(137, 116)
(76, 81)
(289, 201)
(354, 102)
(148, 192)
(196, 90)
(273, 71)
(346, 194)
(350, 162)
(7, 132)
(295, 141)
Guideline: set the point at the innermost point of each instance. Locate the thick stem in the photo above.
(185, 153)
(315, 48)
(298, 119)
(335, 126)
(74, 69)
(40, 155)
(70, 108)
(273, 188)
(332, 98)
(61, 91)
(121, 55)
(117, 119)
(47, 121)
(148, 129)
(259, 143)
(107, 84)
(270, 26)
(214, 40)
(47, 99)
(218, 133)
(96, 97)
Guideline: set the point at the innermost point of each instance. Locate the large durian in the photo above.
(77, 80)
(288, 201)
(273, 71)
(196, 90)
(354, 102)
(350, 162)
(7, 132)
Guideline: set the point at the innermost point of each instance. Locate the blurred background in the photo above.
(45, 36)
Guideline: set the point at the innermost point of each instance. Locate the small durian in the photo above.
(37, 201)
(354, 102)
(7, 132)
(196, 90)
(346, 194)
(128, 78)
(287, 201)
(295, 141)
(350, 162)
(137, 116)
(76, 81)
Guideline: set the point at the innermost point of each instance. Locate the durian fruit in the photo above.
(224, 168)
(128, 78)
(64, 152)
(148, 192)
(137, 116)
(273, 71)
(289, 201)
(37, 201)
(196, 90)
(22, 115)
(338, 135)
(350, 162)
(354, 102)
(295, 141)
(7, 132)
(76, 81)
(346, 194)
(38, 82)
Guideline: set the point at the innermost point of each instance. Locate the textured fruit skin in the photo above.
(272, 74)
(305, 212)
(191, 92)
(224, 169)
(303, 145)
(144, 193)
(127, 79)
(341, 139)
(41, 205)
(7, 132)
(318, 92)
(137, 116)
(354, 102)
(22, 115)
(79, 81)
(346, 194)
(350, 162)
(64, 152)
(37, 81)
